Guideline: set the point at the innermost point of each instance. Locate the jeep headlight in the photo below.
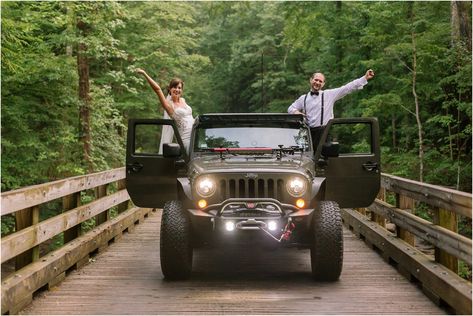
(296, 186)
(205, 187)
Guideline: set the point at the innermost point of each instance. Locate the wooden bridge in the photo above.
(109, 259)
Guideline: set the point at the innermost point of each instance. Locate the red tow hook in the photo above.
(286, 235)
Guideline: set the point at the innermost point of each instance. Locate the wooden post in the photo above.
(101, 191)
(122, 206)
(35, 220)
(381, 221)
(361, 210)
(448, 220)
(68, 203)
(406, 204)
(23, 219)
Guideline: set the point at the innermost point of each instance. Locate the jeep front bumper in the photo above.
(243, 217)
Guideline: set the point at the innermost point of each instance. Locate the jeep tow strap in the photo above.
(286, 235)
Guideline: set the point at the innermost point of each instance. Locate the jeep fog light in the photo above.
(205, 187)
(300, 203)
(202, 203)
(230, 226)
(296, 186)
(272, 225)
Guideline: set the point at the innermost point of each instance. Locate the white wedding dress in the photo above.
(184, 121)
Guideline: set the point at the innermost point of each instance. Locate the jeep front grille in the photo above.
(251, 188)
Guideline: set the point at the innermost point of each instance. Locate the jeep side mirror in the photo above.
(330, 149)
(171, 150)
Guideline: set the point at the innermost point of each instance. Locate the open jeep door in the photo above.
(348, 156)
(150, 175)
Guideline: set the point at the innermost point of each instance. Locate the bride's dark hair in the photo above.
(174, 83)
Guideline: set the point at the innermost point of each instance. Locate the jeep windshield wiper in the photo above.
(287, 150)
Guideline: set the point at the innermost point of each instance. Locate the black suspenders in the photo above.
(305, 109)
(321, 109)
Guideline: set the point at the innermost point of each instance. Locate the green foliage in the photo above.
(422, 210)
(56, 242)
(37, 101)
(8, 225)
(108, 131)
(464, 270)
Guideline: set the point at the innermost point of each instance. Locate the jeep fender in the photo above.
(318, 189)
(184, 189)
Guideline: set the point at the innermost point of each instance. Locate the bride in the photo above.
(175, 106)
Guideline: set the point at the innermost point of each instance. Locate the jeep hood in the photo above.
(243, 163)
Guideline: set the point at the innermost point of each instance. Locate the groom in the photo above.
(317, 104)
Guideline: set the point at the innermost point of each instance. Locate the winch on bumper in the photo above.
(250, 217)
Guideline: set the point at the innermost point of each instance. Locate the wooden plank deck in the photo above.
(127, 279)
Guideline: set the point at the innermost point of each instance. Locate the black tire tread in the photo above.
(175, 242)
(327, 247)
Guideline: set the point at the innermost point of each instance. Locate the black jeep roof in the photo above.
(245, 118)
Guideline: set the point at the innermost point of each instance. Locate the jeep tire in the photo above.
(175, 242)
(326, 252)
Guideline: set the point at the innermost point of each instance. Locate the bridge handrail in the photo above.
(16, 200)
(434, 195)
(25, 239)
(442, 232)
(453, 243)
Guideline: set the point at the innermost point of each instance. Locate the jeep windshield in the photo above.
(243, 139)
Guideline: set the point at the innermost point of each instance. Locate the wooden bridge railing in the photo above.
(437, 274)
(33, 267)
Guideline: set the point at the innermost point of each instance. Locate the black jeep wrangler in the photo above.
(253, 178)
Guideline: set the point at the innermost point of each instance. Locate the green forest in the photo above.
(69, 81)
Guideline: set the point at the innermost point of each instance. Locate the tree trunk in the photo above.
(454, 25)
(84, 96)
(460, 22)
(463, 20)
(416, 100)
(450, 139)
(414, 93)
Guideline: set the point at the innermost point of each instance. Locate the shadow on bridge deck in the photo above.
(127, 279)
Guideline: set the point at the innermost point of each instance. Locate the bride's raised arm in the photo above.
(158, 91)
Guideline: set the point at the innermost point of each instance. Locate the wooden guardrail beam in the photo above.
(445, 198)
(440, 237)
(18, 242)
(16, 200)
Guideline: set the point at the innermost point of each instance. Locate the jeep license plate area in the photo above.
(274, 227)
(252, 215)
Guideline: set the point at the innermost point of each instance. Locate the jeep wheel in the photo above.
(326, 252)
(175, 242)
